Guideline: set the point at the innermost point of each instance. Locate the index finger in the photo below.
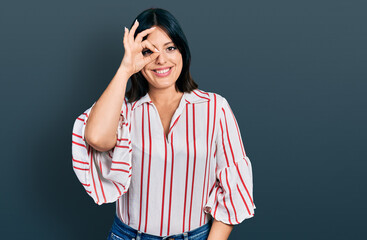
(142, 34)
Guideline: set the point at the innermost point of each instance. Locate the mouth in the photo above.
(162, 72)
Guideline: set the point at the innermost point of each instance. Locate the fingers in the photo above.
(142, 34)
(132, 31)
(149, 45)
(126, 34)
(150, 58)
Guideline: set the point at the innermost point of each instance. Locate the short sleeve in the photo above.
(231, 200)
(105, 176)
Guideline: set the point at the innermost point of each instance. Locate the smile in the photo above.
(162, 72)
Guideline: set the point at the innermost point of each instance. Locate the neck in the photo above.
(164, 96)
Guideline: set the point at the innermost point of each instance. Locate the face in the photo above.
(163, 71)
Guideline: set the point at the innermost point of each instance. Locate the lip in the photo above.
(162, 74)
(162, 68)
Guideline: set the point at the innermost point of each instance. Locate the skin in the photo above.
(162, 89)
(100, 130)
(219, 230)
(144, 56)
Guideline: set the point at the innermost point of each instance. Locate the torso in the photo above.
(166, 114)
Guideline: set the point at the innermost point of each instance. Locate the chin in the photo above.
(163, 85)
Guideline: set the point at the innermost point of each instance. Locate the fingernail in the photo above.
(156, 50)
(125, 29)
(136, 21)
(152, 27)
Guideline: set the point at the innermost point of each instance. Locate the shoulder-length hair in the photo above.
(168, 23)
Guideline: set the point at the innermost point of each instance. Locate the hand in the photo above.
(134, 60)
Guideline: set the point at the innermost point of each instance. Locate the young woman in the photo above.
(170, 155)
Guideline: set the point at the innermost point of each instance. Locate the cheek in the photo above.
(178, 60)
(176, 57)
(145, 72)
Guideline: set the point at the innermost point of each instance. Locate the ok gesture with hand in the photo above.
(134, 60)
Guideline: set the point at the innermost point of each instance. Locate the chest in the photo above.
(187, 125)
(164, 135)
(165, 116)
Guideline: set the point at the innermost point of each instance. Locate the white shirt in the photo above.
(164, 186)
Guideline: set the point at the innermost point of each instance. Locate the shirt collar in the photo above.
(195, 96)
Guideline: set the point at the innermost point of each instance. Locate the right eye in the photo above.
(145, 52)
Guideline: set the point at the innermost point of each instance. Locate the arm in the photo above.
(219, 230)
(101, 141)
(100, 130)
(231, 200)
(104, 175)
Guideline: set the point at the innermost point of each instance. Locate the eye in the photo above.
(146, 51)
(171, 48)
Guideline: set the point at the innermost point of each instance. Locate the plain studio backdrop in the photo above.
(294, 73)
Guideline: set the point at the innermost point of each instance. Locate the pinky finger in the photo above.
(125, 35)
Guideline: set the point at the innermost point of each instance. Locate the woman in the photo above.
(170, 155)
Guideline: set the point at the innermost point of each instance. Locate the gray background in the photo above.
(294, 73)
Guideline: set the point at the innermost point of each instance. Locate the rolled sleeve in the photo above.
(231, 199)
(105, 176)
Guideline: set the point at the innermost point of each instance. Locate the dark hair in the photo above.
(168, 23)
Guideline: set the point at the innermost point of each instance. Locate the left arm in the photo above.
(231, 200)
(219, 230)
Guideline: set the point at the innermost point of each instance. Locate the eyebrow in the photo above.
(163, 44)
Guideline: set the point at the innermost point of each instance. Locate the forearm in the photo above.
(219, 230)
(100, 131)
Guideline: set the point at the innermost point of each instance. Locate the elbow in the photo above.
(98, 143)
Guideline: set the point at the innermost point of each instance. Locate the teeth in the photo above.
(163, 71)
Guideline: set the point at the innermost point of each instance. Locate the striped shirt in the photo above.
(169, 185)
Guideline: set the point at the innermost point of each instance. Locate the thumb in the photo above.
(150, 58)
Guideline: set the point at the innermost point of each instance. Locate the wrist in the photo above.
(123, 73)
(126, 68)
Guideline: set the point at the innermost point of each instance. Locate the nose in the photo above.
(161, 59)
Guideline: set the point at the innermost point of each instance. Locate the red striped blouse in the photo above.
(164, 186)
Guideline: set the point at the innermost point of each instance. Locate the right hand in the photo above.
(134, 60)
